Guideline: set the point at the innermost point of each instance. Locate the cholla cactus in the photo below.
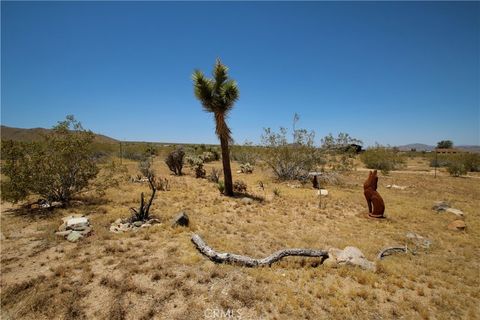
(208, 156)
(197, 164)
(246, 168)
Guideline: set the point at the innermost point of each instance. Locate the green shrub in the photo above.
(471, 161)
(340, 152)
(290, 161)
(456, 168)
(57, 168)
(245, 153)
(382, 158)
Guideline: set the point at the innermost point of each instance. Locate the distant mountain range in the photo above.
(426, 147)
(35, 134)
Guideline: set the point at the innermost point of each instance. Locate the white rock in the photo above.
(247, 200)
(323, 192)
(455, 211)
(79, 220)
(74, 236)
(394, 186)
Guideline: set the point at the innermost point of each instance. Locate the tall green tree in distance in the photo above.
(445, 144)
(218, 95)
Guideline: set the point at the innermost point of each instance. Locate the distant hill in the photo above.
(35, 134)
(426, 147)
(417, 147)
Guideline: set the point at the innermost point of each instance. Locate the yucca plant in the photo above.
(218, 95)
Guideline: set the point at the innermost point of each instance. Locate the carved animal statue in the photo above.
(373, 197)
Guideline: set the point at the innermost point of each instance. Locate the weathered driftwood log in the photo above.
(231, 258)
(391, 250)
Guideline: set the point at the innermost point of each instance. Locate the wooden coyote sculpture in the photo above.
(373, 197)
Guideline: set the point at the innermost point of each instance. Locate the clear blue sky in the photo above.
(385, 72)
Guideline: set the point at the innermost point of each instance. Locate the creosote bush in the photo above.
(56, 168)
(290, 161)
(340, 151)
(382, 158)
(174, 161)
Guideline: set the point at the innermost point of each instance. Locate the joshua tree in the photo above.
(218, 95)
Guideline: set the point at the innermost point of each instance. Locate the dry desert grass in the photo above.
(157, 273)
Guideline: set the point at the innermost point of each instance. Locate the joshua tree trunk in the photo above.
(227, 171)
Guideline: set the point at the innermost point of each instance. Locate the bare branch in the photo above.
(252, 262)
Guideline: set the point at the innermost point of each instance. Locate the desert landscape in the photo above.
(157, 272)
(240, 160)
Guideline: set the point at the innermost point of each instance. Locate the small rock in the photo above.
(457, 225)
(323, 192)
(146, 225)
(456, 212)
(138, 224)
(246, 200)
(35, 206)
(63, 233)
(394, 186)
(181, 220)
(74, 236)
(440, 206)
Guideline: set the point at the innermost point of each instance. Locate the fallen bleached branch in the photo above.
(231, 258)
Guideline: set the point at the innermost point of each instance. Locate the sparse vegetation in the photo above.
(382, 158)
(290, 161)
(340, 152)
